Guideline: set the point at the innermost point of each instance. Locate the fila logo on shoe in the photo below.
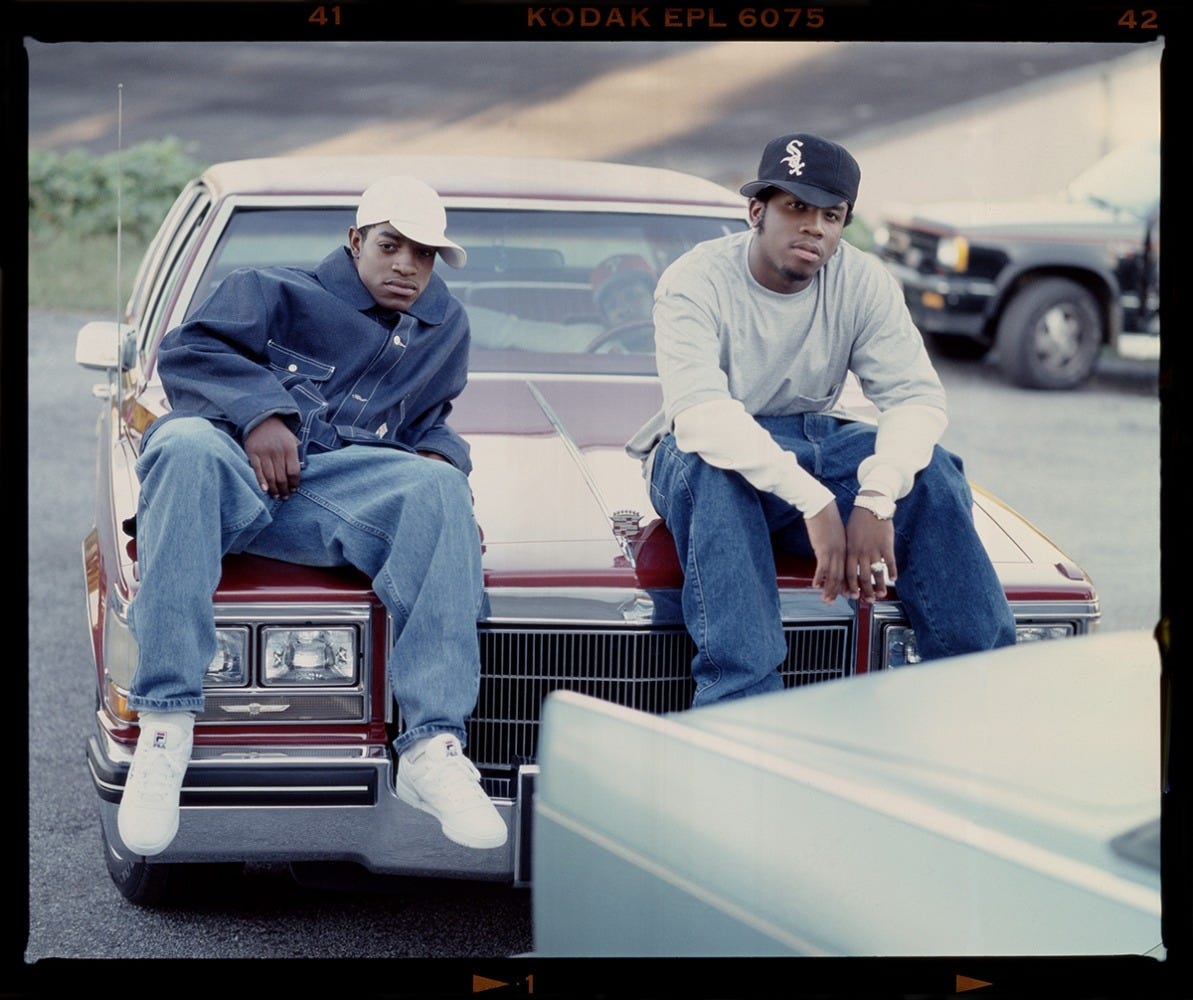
(159, 739)
(451, 748)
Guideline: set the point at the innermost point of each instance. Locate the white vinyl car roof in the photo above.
(470, 176)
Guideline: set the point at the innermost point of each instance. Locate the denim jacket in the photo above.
(306, 346)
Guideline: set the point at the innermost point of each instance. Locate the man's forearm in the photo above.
(723, 434)
(906, 437)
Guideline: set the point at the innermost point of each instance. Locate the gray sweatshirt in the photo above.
(729, 350)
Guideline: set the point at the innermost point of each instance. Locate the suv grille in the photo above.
(912, 248)
(648, 671)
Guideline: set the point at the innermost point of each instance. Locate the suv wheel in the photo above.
(1050, 335)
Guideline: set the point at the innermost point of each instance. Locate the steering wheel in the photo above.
(623, 336)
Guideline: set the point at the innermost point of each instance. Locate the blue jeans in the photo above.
(725, 531)
(404, 520)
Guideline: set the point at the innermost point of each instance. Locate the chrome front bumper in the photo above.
(313, 804)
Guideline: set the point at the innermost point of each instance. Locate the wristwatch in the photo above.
(881, 507)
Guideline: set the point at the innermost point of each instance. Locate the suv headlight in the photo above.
(952, 253)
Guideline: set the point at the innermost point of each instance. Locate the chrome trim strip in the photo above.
(252, 790)
(1053, 610)
(522, 832)
(272, 612)
(635, 607)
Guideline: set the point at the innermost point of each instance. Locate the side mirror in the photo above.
(106, 345)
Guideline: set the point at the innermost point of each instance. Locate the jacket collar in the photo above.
(337, 274)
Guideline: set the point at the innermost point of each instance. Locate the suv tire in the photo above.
(1050, 335)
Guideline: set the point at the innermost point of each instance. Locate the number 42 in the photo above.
(1145, 19)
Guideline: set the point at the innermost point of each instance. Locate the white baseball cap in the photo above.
(414, 209)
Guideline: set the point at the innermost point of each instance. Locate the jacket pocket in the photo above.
(293, 367)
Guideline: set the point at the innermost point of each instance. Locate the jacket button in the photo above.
(397, 341)
(292, 368)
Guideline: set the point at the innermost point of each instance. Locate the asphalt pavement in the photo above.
(703, 107)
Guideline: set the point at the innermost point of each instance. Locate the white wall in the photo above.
(1023, 143)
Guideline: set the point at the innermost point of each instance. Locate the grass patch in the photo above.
(73, 199)
(78, 274)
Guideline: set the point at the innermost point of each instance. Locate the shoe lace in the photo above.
(157, 775)
(458, 779)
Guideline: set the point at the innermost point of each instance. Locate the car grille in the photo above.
(646, 670)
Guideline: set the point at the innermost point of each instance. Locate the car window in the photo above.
(1127, 180)
(544, 290)
(263, 237)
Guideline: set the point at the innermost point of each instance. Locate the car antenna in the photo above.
(118, 392)
(119, 188)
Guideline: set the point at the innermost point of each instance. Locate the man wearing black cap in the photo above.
(756, 334)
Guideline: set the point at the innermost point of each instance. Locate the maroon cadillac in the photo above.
(292, 758)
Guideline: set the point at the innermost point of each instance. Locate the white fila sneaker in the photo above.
(148, 815)
(436, 777)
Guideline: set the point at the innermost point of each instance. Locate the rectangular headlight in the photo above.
(900, 649)
(1034, 632)
(309, 656)
(230, 665)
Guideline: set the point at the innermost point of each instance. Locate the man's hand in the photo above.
(273, 452)
(826, 533)
(869, 541)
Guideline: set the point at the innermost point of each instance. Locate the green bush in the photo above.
(81, 192)
(74, 198)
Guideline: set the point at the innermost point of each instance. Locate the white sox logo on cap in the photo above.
(794, 158)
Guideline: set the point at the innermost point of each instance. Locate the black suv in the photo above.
(1046, 283)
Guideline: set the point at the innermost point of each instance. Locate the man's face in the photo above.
(394, 269)
(627, 301)
(792, 240)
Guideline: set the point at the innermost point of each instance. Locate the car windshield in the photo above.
(544, 290)
(1127, 180)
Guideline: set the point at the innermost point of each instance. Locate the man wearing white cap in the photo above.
(308, 423)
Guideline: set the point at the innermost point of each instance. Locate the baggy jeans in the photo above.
(725, 532)
(404, 520)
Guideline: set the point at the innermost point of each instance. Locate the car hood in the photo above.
(551, 476)
(549, 469)
(1081, 755)
(1001, 803)
(550, 473)
(1050, 218)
